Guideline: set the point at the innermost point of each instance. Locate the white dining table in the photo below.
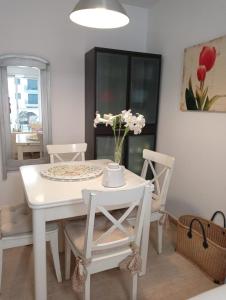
(54, 200)
(27, 143)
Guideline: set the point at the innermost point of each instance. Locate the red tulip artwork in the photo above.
(204, 82)
(201, 73)
(207, 57)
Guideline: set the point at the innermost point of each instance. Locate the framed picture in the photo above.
(204, 77)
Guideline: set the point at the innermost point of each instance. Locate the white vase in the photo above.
(113, 175)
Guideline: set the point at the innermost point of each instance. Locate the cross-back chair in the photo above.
(56, 151)
(102, 242)
(16, 231)
(161, 167)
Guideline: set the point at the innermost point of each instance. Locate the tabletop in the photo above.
(42, 192)
(24, 138)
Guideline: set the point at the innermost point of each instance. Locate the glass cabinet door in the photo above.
(136, 144)
(144, 87)
(111, 82)
(105, 146)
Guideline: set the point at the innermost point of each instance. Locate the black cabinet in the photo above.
(116, 80)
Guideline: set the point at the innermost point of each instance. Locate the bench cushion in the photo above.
(17, 219)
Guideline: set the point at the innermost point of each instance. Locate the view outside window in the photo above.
(25, 112)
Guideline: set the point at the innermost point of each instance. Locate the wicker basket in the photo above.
(204, 243)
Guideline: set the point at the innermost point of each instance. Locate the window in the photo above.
(24, 104)
(32, 84)
(32, 99)
(18, 96)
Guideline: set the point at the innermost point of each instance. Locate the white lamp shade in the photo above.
(99, 14)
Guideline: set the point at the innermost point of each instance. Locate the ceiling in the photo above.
(140, 3)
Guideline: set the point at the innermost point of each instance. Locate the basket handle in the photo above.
(223, 216)
(189, 234)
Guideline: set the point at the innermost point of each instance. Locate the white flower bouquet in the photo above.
(121, 124)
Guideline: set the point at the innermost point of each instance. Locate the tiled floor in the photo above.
(169, 277)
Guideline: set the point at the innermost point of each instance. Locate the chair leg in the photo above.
(1, 258)
(61, 235)
(160, 238)
(55, 254)
(67, 260)
(144, 247)
(133, 295)
(87, 288)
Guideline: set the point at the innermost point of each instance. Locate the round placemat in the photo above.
(72, 172)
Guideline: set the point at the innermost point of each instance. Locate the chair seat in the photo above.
(76, 232)
(155, 205)
(17, 220)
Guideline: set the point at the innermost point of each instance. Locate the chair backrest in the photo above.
(103, 201)
(55, 151)
(161, 167)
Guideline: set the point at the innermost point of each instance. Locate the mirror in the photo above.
(25, 112)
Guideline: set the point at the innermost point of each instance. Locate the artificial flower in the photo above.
(121, 124)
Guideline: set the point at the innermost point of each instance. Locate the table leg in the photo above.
(145, 239)
(20, 153)
(39, 246)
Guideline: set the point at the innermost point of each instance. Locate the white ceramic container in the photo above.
(113, 176)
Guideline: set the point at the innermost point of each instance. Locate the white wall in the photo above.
(197, 140)
(42, 28)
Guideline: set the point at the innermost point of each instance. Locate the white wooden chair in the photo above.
(16, 231)
(56, 151)
(104, 241)
(161, 167)
(57, 154)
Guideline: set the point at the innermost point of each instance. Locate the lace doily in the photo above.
(72, 172)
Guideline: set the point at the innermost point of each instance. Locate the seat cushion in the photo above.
(155, 205)
(15, 220)
(76, 232)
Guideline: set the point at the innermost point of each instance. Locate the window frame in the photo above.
(7, 163)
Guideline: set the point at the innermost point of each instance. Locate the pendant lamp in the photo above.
(102, 14)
